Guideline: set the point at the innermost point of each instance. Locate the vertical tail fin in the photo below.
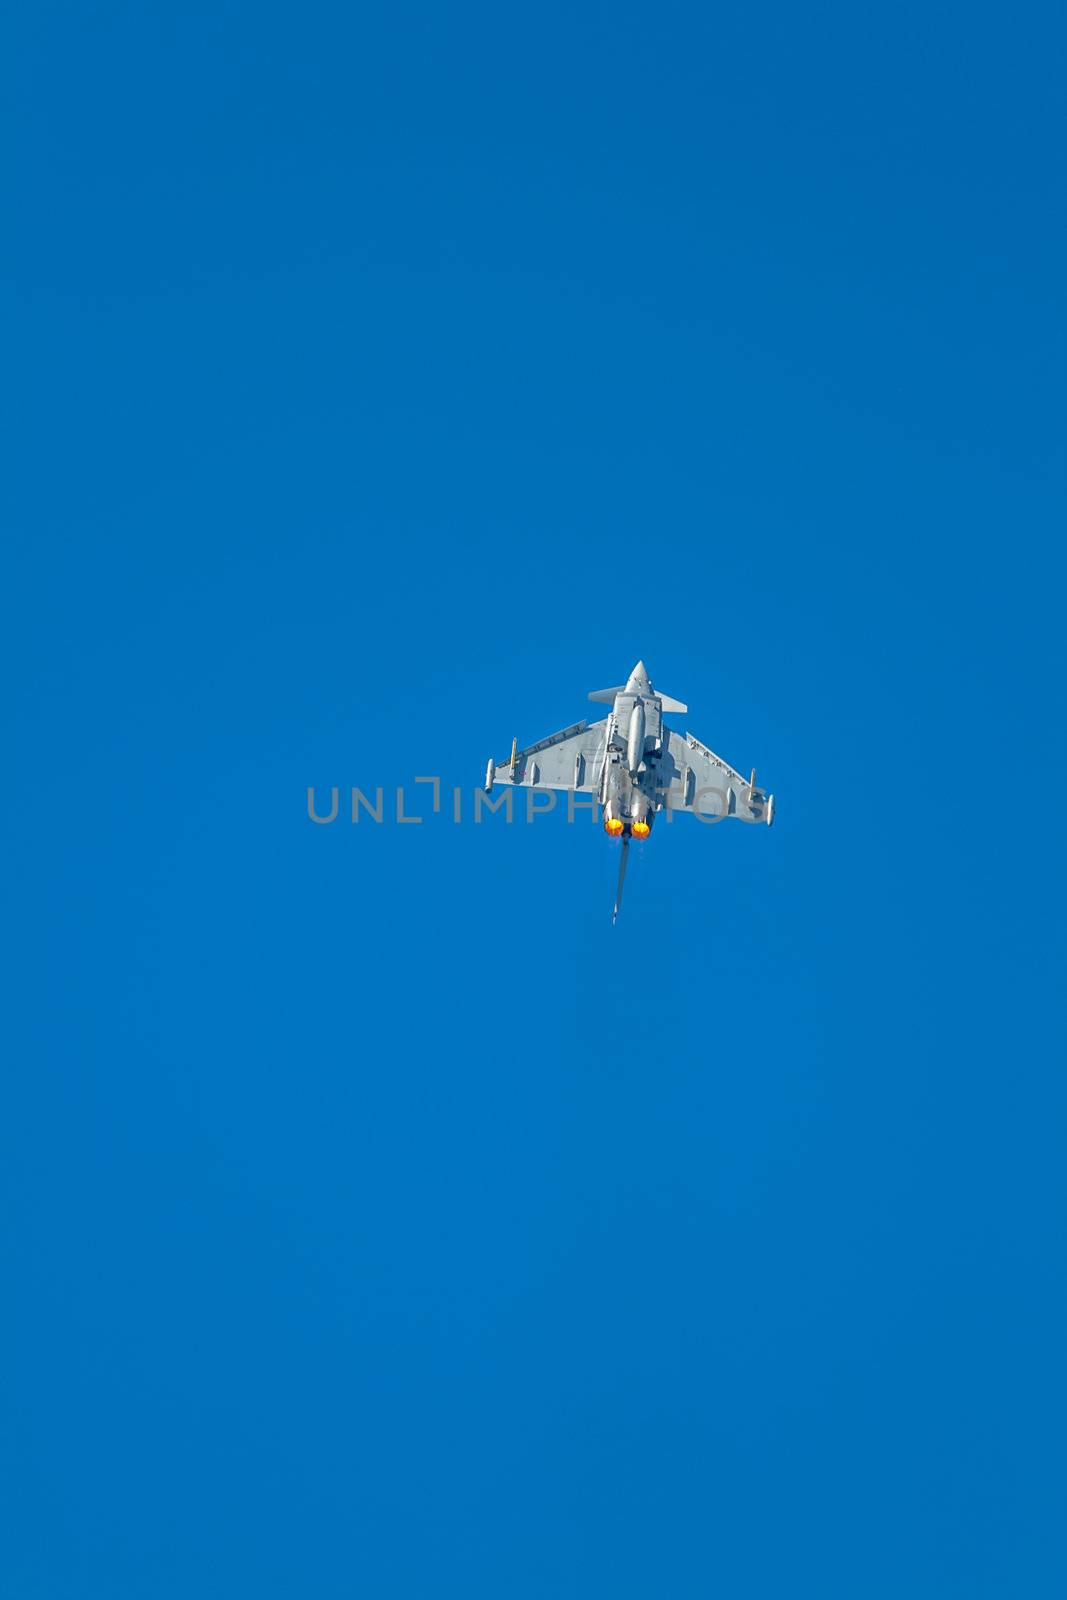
(622, 874)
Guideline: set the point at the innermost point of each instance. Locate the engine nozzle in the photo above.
(613, 823)
(641, 818)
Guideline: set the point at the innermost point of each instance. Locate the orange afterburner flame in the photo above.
(641, 830)
(613, 825)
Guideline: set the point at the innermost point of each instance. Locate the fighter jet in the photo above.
(636, 767)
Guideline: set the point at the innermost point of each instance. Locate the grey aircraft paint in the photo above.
(636, 767)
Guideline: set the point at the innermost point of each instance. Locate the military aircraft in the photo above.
(636, 767)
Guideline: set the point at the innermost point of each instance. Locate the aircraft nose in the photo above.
(638, 678)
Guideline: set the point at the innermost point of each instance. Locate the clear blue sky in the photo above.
(377, 1220)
